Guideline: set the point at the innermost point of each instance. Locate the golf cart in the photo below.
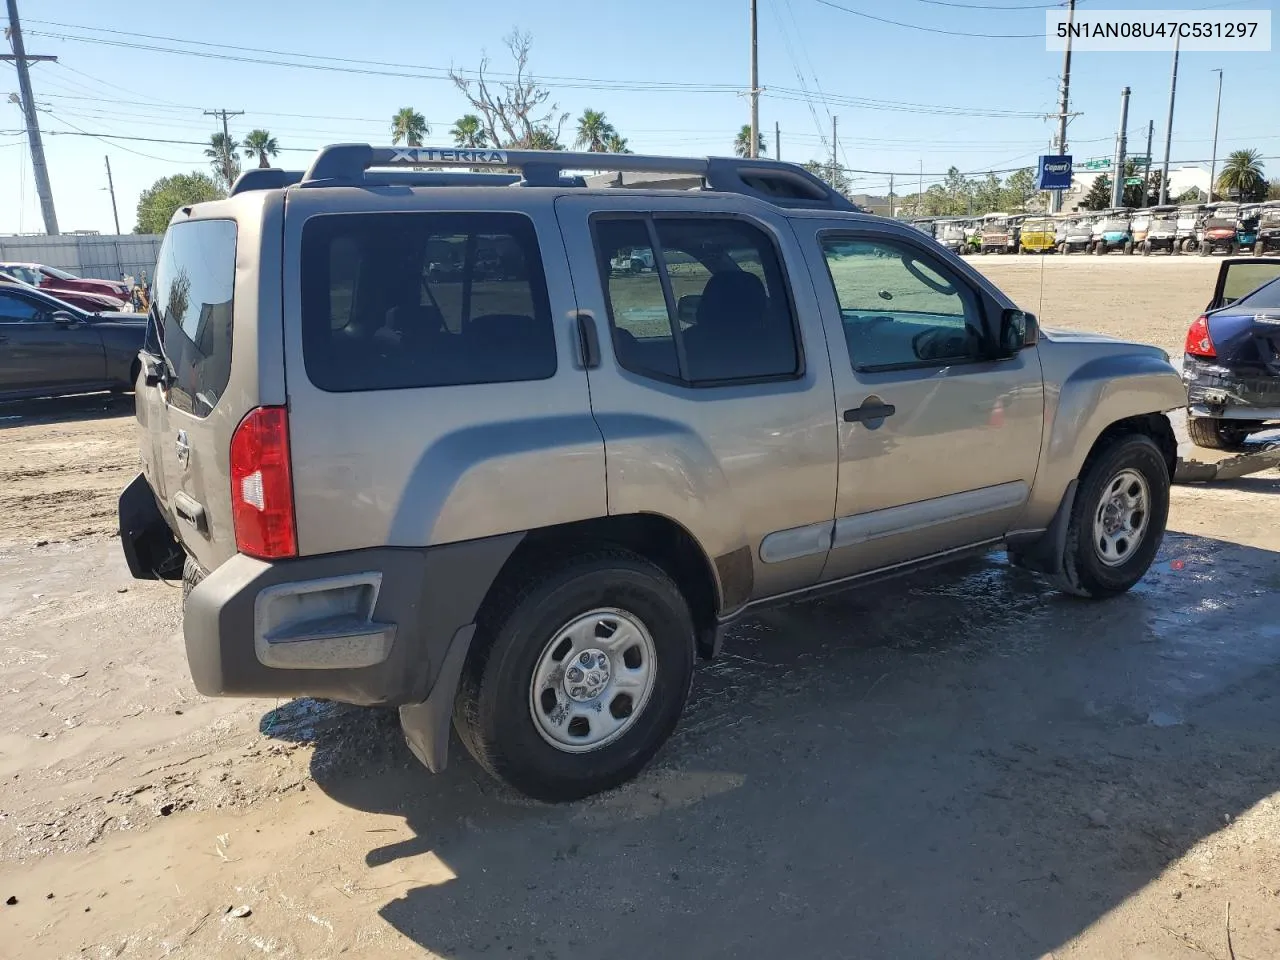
(1189, 215)
(1139, 225)
(1217, 230)
(997, 234)
(1112, 232)
(1247, 227)
(1162, 231)
(1268, 228)
(1038, 235)
(951, 234)
(1078, 237)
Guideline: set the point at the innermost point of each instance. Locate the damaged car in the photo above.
(1232, 363)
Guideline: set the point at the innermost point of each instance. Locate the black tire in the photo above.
(1233, 248)
(1146, 248)
(1128, 247)
(191, 577)
(1099, 248)
(1220, 434)
(1204, 249)
(492, 711)
(1084, 572)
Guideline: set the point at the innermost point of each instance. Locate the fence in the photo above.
(98, 256)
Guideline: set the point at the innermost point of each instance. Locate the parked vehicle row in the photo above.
(1222, 227)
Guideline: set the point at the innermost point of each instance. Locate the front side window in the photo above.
(696, 300)
(898, 308)
(399, 300)
(16, 309)
(192, 310)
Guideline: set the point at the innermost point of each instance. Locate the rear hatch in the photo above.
(211, 336)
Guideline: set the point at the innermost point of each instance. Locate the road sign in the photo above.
(1098, 163)
(1133, 181)
(1141, 161)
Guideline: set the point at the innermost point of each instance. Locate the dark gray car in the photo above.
(48, 347)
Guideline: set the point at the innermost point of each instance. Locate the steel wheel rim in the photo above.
(593, 680)
(1121, 518)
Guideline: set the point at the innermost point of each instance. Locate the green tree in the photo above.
(1099, 195)
(1242, 178)
(616, 144)
(468, 131)
(1019, 190)
(742, 142)
(823, 172)
(1273, 190)
(222, 157)
(594, 130)
(410, 126)
(986, 195)
(540, 138)
(261, 144)
(959, 191)
(159, 201)
(1193, 195)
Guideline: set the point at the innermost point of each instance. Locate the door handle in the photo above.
(869, 411)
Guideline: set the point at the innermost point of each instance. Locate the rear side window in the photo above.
(400, 300)
(698, 301)
(192, 304)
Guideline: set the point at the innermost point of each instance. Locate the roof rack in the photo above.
(784, 184)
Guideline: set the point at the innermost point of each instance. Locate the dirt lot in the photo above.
(960, 765)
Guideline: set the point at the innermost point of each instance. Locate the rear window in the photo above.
(192, 308)
(400, 300)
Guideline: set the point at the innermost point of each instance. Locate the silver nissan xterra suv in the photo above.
(508, 450)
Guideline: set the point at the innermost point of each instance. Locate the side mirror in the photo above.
(64, 319)
(1018, 329)
(687, 308)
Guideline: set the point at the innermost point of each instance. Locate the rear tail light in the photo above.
(1199, 342)
(262, 485)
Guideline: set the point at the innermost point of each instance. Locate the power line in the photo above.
(916, 26)
(990, 6)
(346, 65)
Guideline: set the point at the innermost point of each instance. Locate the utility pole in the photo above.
(1168, 132)
(777, 140)
(39, 168)
(1146, 173)
(1122, 136)
(1213, 164)
(111, 188)
(835, 164)
(227, 155)
(920, 195)
(755, 89)
(891, 211)
(1055, 199)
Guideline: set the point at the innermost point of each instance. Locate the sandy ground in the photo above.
(963, 764)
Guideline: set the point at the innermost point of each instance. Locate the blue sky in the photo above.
(804, 45)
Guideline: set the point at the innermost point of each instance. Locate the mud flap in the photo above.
(1046, 552)
(149, 545)
(426, 724)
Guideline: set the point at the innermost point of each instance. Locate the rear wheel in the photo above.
(1146, 248)
(579, 674)
(1128, 246)
(1233, 248)
(1205, 249)
(1099, 249)
(1220, 434)
(1118, 518)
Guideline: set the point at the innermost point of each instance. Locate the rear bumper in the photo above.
(364, 627)
(1215, 390)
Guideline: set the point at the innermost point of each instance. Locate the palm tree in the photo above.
(540, 138)
(742, 142)
(616, 144)
(1242, 175)
(468, 132)
(594, 131)
(410, 126)
(222, 157)
(260, 144)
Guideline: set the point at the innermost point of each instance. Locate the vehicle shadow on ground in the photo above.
(962, 764)
(84, 406)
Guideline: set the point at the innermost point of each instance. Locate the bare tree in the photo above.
(515, 113)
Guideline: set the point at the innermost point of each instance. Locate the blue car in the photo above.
(1232, 362)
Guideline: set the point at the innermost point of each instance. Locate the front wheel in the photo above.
(1128, 247)
(1219, 434)
(579, 674)
(1118, 518)
(1204, 249)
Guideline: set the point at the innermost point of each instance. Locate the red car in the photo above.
(57, 281)
(92, 302)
